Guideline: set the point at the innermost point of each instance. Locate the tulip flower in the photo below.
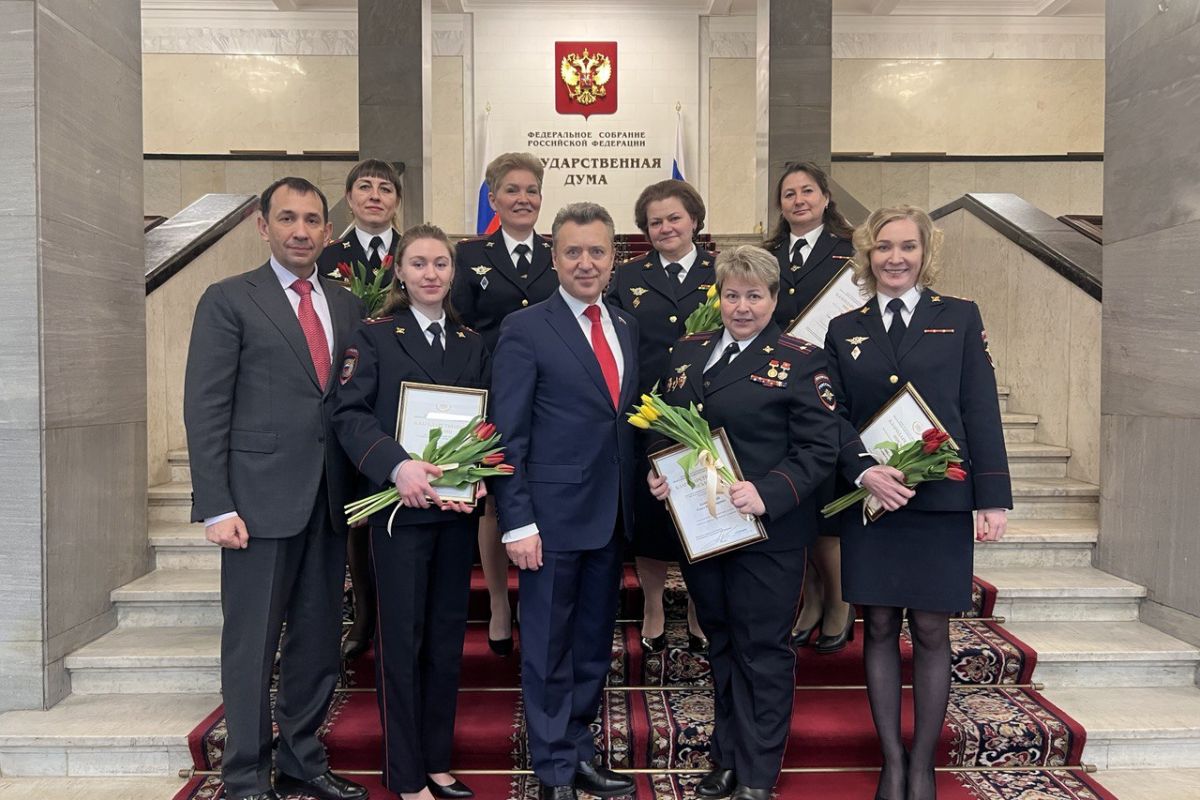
(712, 292)
(648, 412)
(956, 473)
(493, 459)
(507, 469)
(638, 421)
(387, 262)
(344, 270)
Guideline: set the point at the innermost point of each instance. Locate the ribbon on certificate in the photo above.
(713, 484)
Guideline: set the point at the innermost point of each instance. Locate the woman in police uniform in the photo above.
(422, 562)
(918, 555)
(812, 244)
(496, 275)
(771, 394)
(661, 289)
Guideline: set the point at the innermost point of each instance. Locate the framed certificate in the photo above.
(703, 535)
(425, 406)
(840, 295)
(901, 420)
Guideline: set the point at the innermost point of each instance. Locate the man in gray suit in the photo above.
(269, 481)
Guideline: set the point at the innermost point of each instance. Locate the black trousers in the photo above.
(422, 581)
(746, 603)
(299, 580)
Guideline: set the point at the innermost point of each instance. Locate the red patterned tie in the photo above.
(314, 331)
(608, 364)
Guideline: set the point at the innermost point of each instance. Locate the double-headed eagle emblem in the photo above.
(585, 76)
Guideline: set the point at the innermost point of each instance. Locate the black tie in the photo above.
(374, 256)
(522, 251)
(897, 329)
(673, 270)
(439, 352)
(797, 252)
(716, 369)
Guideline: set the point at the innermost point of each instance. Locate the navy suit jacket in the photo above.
(573, 451)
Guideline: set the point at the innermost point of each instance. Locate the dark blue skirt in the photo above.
(909, 559)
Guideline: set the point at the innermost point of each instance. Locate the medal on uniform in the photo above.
(774, 370)
(783, 370)
(637, 292)
(856, 341)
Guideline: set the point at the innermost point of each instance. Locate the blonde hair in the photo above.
(867, 235)
(750, 263)
(397, 298)
(505, 163)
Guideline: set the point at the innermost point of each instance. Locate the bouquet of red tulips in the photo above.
(371, 292)
(930, 458)
(467, 456)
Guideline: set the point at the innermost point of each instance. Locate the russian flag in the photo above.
(486, 221)
(677, 171)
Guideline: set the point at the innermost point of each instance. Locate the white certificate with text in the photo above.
(839, 296)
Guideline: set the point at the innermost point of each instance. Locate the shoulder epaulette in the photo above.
(795, 343)
(698, 336)
(377, 320)
(468, 329)
(635, 259)
(936, 297)
(471, 239)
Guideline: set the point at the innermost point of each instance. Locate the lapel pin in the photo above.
(768, 349)
(400, 331)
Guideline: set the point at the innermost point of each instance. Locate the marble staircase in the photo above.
(138, 690)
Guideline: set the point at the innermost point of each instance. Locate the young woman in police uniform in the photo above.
(917, 556)
(496, 275)
(422, 564)
(771, 394)
(812, 244)
(660, 290)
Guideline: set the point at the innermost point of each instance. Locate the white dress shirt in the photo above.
(511, 244)
(726, 340)
(610, 334)
(811, 237)
(685, 262)
(320, 305)
(910, 298)
(365, 238)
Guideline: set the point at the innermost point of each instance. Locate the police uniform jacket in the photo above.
(799, 286)
(783, 427)
(384, 353)
(349, 249)
(643, 288)
(944, 354)
(487, 287)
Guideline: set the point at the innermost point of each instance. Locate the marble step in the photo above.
(1054, 498)
(1151, 728)
(1062, 594)
(170, 502)
(170, 597)
(177, 460)
(103, 734)
(149, 660)
(1041, 543)
(108, 788)
(1037, 460)
(1017, 427)
(1151, 784)
(1107, 654)
(181, 545)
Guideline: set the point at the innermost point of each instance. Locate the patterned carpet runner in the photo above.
(657, 719)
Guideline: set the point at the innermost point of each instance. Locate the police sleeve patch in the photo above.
(349, 364)
(825, 393)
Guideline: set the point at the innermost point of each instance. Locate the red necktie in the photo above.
(608, 364)
(314, 331)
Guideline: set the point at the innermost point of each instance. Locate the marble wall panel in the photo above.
(1083, 389)
(20, 395)
(20, 673)
(163, 188)
(987, 278)
(252, 177)
(950, 181)
(1087, 188)
(198, 178)
(905, 184)
(731, 197)
(17, 132)
(862, 179)
(1152, 321)
(953, 252)
(21, 537)
(1039, 362)
(102, 514)
(1147, 512)
(117, 31)
(1048, 186)
(447, 176)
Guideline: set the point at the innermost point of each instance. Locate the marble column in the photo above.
(395, 68)
(1150, 420)
(73, 365)
(795, 89)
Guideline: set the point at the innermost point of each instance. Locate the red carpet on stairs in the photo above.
(657, 717)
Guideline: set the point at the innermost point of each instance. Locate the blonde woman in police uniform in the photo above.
(918, 556)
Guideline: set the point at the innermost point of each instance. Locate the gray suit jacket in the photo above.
(258, 430)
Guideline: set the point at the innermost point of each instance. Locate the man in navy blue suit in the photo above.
(564, 371)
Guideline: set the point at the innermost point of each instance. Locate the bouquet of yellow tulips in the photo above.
(707, 316)
(686, 426)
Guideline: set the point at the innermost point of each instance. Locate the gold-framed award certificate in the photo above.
(426, 406)
(840, 295)
(703, 535)
(900, 420)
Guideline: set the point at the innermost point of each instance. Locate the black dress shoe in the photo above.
(549, 792)
(450, 791)
(697, 644)
(601, 781)
(353, 648)
(655, 645)
(269, 794)
(800, 637)
(831, 644)
(717, 783)
(322, 787)
(746, 793)
(501, 647)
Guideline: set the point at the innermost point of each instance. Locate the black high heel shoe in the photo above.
(354, 646)
(697, 644)
(832, 644)
(501, 647)
(449, 791)
(801, 637)
(655, 645)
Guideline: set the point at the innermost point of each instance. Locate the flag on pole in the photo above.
(486, 221)
(677, 171)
